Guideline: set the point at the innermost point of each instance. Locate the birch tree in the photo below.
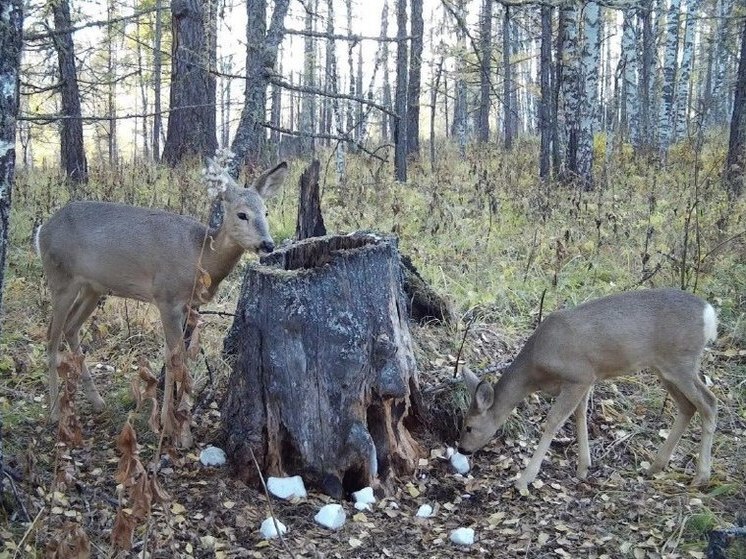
(414, 79)
(571, 91)
(72, 152)
(683, 82)
(11, 31)
(460, 109)
(400, 122)
(629, 117)
(645, 82)
(261, 56)
(588, 96)
(667, 113)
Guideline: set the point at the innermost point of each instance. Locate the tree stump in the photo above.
(324, 381)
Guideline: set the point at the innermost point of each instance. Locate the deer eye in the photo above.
(242, 215)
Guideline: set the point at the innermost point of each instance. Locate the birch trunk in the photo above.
(387, 125)
(508, 108)
(11, 41)
(157, 33)
(630, 101)
(645, 92)
(683, 83)
(667, 113)
(588, 102)
(571, 90)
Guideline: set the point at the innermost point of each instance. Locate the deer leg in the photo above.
(569, 398)
(685, 412)
(581, 426)
(62, 302)
(173, 317)
(84, 306)
(705, 401)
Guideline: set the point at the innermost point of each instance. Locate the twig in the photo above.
(28, 532)
(219, 313)
(461, 347)
(13, 488)
(269, 503)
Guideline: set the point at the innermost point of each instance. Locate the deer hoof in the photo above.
(701, 480)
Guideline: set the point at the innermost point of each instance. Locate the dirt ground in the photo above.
(617, 512)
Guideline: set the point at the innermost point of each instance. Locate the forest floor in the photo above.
(616, 512)
(487, 235)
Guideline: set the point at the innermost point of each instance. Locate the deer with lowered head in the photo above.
(92, 249)
(664, 330)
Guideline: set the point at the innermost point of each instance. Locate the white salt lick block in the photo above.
(331, 516)
(463, 536)
(212, 456)
(268, 529)
(287, 487)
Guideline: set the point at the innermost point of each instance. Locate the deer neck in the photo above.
(510, 390)
(219, 256)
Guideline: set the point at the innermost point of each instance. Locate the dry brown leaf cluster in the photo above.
(68, 427)
(141, 486)
(70, 542)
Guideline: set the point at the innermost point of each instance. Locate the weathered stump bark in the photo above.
(324, 380)
(310, 222)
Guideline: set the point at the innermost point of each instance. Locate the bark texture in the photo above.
(191, 123)
(324, 381)
(72, 153)
(415, 77)
(400, 102)
(310, 222)
(11, 30)
(736, 159)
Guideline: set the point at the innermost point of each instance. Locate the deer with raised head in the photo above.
(665, 330)
(92, 249)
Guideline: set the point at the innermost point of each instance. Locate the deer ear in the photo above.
(470, 379)
(269, 183)
(484, 396)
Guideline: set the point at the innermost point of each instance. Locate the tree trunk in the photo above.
(400, 121)
(629, 99)
(667, 113)
(460, 107)
(11, 31)
(72, 151)
(508, 108)
(324, 381)
(557, 88)
(485, 67)
(111, 77)
(545, 103)
(191, 121)
(414, 82)
(308, 100)
(646, 141)
(736, 159)
(261, 57)
(310, 222)
(588, 93)
(571, 87)
(681, 116)
(387, 125)
(157, 33)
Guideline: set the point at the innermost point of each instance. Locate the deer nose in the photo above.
(463, 451)
(267, 246)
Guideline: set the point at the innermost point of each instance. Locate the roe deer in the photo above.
(663, 329)
(91, 249)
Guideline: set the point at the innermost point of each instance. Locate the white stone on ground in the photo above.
(463, 536)
(287, 487)
(268, 529)
(365, 495)
(425, 511)
(212, 456)
(460, 463)
(331, 516)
